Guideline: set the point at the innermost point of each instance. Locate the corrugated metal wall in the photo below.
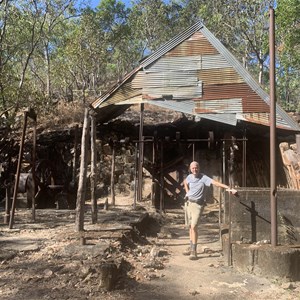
(195, 70)
(194, 73)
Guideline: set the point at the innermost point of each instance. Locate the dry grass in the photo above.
(64, 114)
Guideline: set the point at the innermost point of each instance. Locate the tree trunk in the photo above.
(17, 177)
(75, 156)
(47, 68)
(112, 179)
(79, 221)
(141, 155)
(93, 170)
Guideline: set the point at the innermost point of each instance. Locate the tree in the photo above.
(23, 37)
(288, 42)
(152, 24)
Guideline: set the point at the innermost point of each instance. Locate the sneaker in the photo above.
(193, 255)
(187, 251)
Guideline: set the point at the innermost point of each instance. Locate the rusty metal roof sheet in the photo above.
(187, 107)
(286, 120)
(194, 73)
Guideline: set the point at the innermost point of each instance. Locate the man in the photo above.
(196, 185)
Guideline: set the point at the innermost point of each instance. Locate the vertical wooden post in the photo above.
(7, 202)
(224, 181)
(8, 185)
(135, 176)
(153, 173)
(229, 258)
(75, 155)
(161, 176)
(79, 219)
(141, 155)
(244, 181)
(33, 169)
(17, 177)
(93, 170)
(112, 177)
(193, 151)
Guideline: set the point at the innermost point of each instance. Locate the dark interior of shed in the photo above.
(237, 155)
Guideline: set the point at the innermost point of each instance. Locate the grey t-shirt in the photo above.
(198, 187)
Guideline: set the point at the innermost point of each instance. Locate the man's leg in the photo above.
(187, 218)
(196, 215)
(194, 236)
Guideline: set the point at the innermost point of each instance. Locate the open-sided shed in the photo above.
(196, 75)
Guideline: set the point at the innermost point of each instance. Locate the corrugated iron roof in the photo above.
(194, 73)
(187, 107)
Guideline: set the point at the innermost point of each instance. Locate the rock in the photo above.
(48, 273)
(288, 286)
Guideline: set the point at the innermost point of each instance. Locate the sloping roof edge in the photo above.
(246, 76)
(172, 44)
(199, 26)
(152, 58)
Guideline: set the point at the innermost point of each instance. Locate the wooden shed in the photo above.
(196, 75)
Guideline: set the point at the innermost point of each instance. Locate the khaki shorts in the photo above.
(193, 213)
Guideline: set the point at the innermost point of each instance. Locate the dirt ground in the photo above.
(47, 259)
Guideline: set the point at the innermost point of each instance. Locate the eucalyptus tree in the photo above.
(288, 50)
(251, 20)
(112, 17)
(4, 58)
(93, 53)
(20, 32)
(26, 27)
(241, 25)
(152, 23)
(24, 32)
(59, 12)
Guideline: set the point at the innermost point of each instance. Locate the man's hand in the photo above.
(232, 191)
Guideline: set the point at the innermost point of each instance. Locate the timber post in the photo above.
(79, 219)
(93, 178)
(112, 176)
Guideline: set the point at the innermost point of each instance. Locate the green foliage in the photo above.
(288, 42)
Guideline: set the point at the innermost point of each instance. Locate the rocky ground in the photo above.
(129, 254)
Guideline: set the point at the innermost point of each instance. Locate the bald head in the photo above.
(194, 167)
(194, 163)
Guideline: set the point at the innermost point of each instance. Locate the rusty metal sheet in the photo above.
(188, 92)
(197, 44)
(177, 40)
(233, 105)
(175, 63)
(219, 76)
(107, 113)
(251, 102)
(123, 93)
(99, 101)
(138, 80)
(214, 62)
(187, 107)
(131, 101)
(188, 63)
(195, 49)
(264, 119)
(176, 78)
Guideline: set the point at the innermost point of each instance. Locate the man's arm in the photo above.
(228, 189)
(186, 186)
